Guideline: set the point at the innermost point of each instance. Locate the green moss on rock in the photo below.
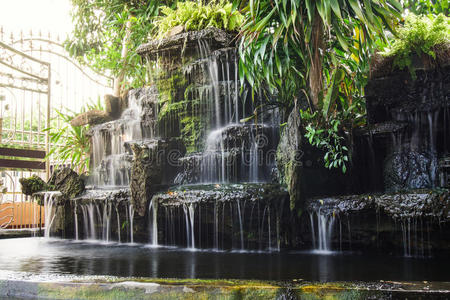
(67, 181)
(32, 185)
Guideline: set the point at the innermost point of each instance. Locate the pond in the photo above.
(55, 256)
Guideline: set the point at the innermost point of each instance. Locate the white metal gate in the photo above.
(36, 77)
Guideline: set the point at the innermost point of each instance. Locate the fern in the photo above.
(196, 16)
(420, 35)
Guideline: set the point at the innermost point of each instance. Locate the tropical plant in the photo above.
(319, 49)
(71, 144)
(424, 7)
(420, 35)
(196, 16)
(289, 41)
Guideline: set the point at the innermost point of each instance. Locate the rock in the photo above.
(67, 181)
(175, 30)
(112, 106)
(289, 157)
(32, 185)
(408, 170)
(251, 192)
(187, 40)
(92, 117)
(155, 162)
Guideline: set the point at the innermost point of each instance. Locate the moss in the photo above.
(33, 185)
(177, 105)
(209, 282)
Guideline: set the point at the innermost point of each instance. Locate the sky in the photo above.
(45, 15)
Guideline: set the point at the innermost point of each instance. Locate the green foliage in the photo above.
(424, 7)
(326, 136)
(420, 35)
(285, 43)
(70, 144)
(196, 16)
(100, 27)
(277, 47)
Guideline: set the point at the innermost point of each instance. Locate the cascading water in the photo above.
(153, 220)
(111, 161)
(49, 211)
(325, 227)
(225, 218)
(131, 212)
(76, 223)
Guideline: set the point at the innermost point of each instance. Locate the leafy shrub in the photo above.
(196, 16)
(420, 35)
(326, 135)
(71, 144)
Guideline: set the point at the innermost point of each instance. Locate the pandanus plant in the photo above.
(315, 48)
(288, 43)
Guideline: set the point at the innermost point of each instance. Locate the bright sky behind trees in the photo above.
(45, 15)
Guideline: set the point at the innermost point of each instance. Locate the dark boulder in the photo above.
(32, 185)
(289, 157)
(408, 170)
(67, 181)
(155, 163)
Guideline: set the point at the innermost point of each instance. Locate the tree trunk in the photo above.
(120, 77)
(315, 73)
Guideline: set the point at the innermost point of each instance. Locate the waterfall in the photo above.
(111, 161)
(76, 223)
(313, 232)
(192, 219)
(91, 213)
(216, 227)
(49, 213)
(85, 220)
(325, 227)
(240, 224)
(253, 161)
(106, 224)
(153, 219)
(413, 237)
(131, 212)
(118, 223)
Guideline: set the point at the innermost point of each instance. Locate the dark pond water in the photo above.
(41, 256)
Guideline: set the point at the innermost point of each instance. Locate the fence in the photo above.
(37, 79)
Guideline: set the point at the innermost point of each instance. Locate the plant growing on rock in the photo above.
(196, 16)
(420, 35)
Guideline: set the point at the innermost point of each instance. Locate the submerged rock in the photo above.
(67, 181)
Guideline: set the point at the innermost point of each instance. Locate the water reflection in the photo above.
(37, 255)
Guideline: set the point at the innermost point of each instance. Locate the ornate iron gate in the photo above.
(36, 77)
(24, 145)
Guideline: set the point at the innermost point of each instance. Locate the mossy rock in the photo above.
(67, 181)
(32, 185)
